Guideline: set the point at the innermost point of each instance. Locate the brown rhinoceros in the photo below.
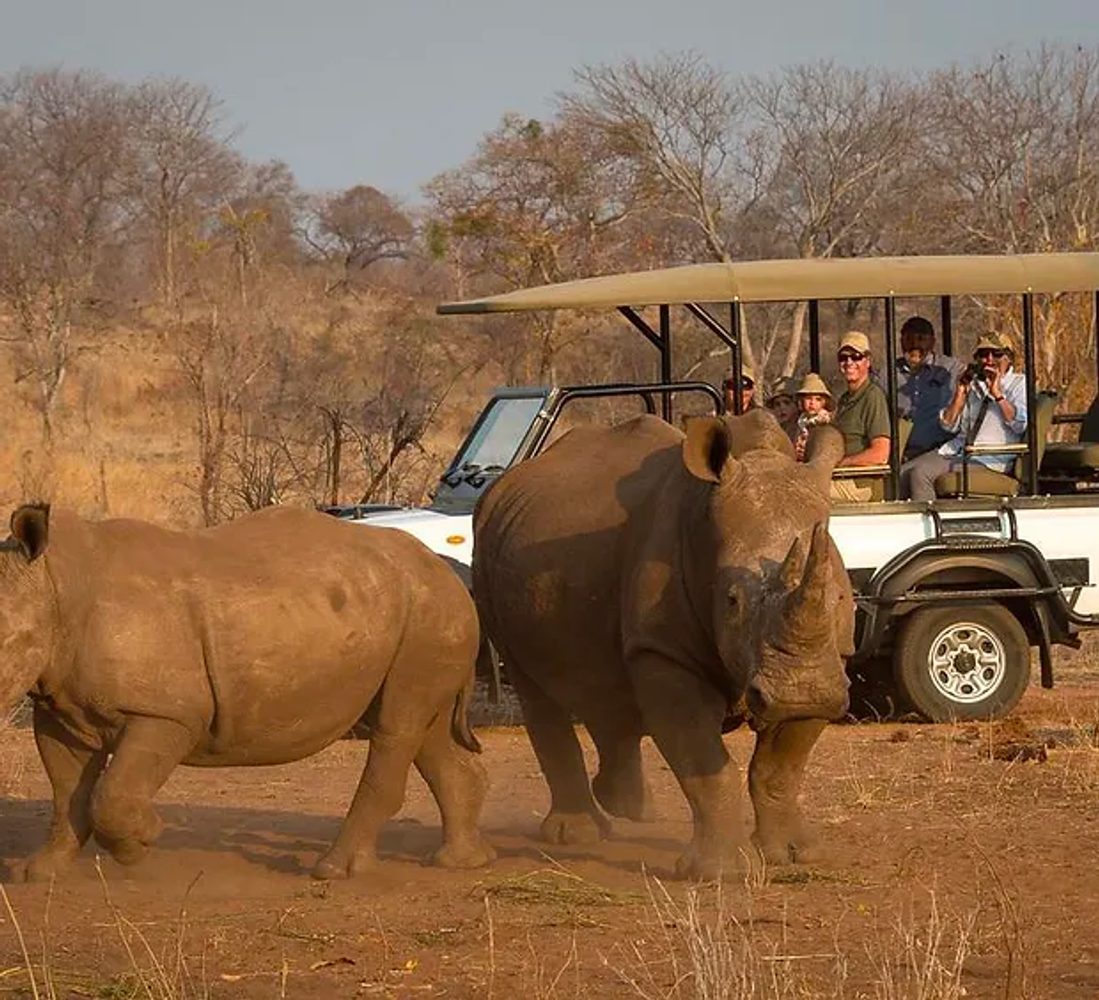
(647, 582)
(257, 642)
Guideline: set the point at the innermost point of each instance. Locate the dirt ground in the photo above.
(962, 862)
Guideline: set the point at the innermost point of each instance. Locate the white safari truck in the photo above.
(952, 594)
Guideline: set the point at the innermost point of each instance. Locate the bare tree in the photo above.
(1014, 161)
(674, 119)
(61, 142)
(834, 142)
(538, 203)
(180, 165)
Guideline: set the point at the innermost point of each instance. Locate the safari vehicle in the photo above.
(952, 594)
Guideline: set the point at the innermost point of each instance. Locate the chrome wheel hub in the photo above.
(966, 662)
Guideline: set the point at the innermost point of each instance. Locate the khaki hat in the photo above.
(856, 340)
(782, 386)
(993, 341)
(814, 385)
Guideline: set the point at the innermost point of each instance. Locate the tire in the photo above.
(954, 663)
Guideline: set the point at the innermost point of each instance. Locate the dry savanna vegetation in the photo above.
(186, 335)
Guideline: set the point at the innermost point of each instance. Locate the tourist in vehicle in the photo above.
(783, 404)
(747, 390)
(815, 405)
(988, 407)
(925, 385)
(862, 416)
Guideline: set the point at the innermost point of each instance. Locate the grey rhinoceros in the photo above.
(257, 642)
(647, 582)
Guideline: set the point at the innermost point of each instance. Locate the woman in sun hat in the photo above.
(816, 404)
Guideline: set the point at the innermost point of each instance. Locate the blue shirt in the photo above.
(994, 429)
(922, 394)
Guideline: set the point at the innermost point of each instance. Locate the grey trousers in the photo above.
(918, 476)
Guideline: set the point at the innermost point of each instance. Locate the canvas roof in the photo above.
(799, 280)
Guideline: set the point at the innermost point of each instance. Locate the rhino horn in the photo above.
(805, 608)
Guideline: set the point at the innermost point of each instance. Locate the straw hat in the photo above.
(814, 385)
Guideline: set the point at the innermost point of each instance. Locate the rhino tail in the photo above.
(459, 720)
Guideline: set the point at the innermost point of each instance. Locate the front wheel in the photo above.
(962, 662)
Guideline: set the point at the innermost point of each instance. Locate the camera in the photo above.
(974, 370)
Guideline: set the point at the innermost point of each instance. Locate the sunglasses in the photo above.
(988, 352)
(850, 356)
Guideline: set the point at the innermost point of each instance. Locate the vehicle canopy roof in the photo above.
(796, 280)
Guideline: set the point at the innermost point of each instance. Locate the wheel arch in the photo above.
(978, 572)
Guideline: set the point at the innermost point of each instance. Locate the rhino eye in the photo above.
(732, 598)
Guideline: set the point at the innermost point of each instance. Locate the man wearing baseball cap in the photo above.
(747, 390)
(862, 416)
(988, 408)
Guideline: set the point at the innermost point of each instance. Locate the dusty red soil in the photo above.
(940, 837)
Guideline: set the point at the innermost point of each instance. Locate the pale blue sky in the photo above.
(389, 93)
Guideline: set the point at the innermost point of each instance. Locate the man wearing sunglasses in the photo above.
(988, 408)
(862, 416)
(747, 390)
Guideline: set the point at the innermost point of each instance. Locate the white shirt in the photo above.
(994, 428)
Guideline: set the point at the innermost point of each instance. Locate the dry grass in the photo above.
(13, 756)
(160, 972)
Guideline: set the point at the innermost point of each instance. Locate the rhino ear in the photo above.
(30, 527)
(706, 449)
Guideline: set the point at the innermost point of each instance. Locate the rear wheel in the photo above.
(962, 662)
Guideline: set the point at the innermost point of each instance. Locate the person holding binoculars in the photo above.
(988, 407)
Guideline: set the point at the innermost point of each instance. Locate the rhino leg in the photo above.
(72, 769)
(574, 817)
(620, 785)
(123, 818)
(684, 714)
(774, 783)
(380, 794)
(459, 782)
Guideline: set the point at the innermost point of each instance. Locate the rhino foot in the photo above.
(574, 828)
(47, 863)
(625, 795)
(474, 854)
(735, 860)
(339, 864)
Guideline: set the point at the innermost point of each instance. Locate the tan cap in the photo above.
(746, 375)
(856, 340)
(814, 385)
(993, 341)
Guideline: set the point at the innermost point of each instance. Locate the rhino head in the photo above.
(783, 611)
(26, 599)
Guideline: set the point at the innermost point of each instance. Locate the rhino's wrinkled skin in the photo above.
(644, 582)
(257, 642)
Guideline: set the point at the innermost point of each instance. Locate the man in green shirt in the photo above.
(862, 416)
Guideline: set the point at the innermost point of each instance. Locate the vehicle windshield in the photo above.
(498, 434)
(491, 447)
